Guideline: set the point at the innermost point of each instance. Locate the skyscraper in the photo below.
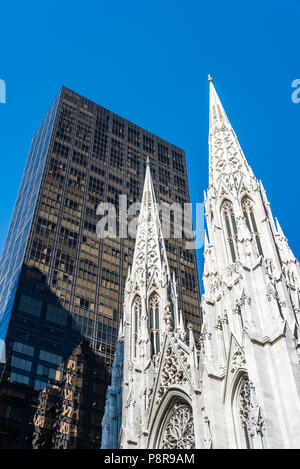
(61, 287)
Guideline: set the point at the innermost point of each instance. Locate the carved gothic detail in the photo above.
(271, 293)
(178, 432)
(238, 360)
(173, 372)
(250, 416)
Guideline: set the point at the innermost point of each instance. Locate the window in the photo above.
(133, 159)
(154, 324)
(178, 429)
(60, 149)
(133, 187)
(249, 424)
(163, 154)
(116, 154)
(68, 237)
(76, 179)
(100, 140)
(65, 124)
(148, 144)
(231, 229)
(50, 357)
(57, 315)
(179, 184)
(188, 280)
(96, 185)
(39, 385)
(46, 371)
(251, 222)
(64, 262)
(164, 176)
(20, 363)
(45, 227)
(118, 128)
(19, 378)
(23, 348)
(79, 159)
(30, 305)
(178, 164)
(136, 310)
(40, 251)
(133, 136)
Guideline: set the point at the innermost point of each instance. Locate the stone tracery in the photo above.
(250, 416)
(178, 431)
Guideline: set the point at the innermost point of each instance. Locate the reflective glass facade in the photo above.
(65, 284)
(15, 244)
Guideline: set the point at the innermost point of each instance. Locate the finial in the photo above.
(210, 80)
(148, 161)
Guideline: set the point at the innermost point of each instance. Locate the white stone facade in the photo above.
(240, 386)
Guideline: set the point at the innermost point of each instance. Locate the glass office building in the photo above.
(61, 286)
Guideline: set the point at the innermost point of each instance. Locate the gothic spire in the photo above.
(149, 255)
(225, 154)
(216, 110)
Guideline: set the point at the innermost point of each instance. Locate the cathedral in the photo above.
(237, 387)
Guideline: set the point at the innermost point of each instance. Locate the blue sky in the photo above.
(148, 61)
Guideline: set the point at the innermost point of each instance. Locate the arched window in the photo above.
(251, 222)
(154, 324)
(249, 424)
(178, 428)
(231, 229)
(136, 316)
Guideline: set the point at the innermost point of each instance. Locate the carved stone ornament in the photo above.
(172, 372)
(238, 361)
(251, 418)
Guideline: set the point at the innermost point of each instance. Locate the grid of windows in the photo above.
(71, 285)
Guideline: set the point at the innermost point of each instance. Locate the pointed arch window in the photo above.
(136, 310)
(154, 324)
(178, 429)
(248, 212)
(231, 228)
(250, 426)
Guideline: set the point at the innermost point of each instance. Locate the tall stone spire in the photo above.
(150, 259)
(149, 282)
(225, 154)
(216, 110)
(251, 299)
(154, 351)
